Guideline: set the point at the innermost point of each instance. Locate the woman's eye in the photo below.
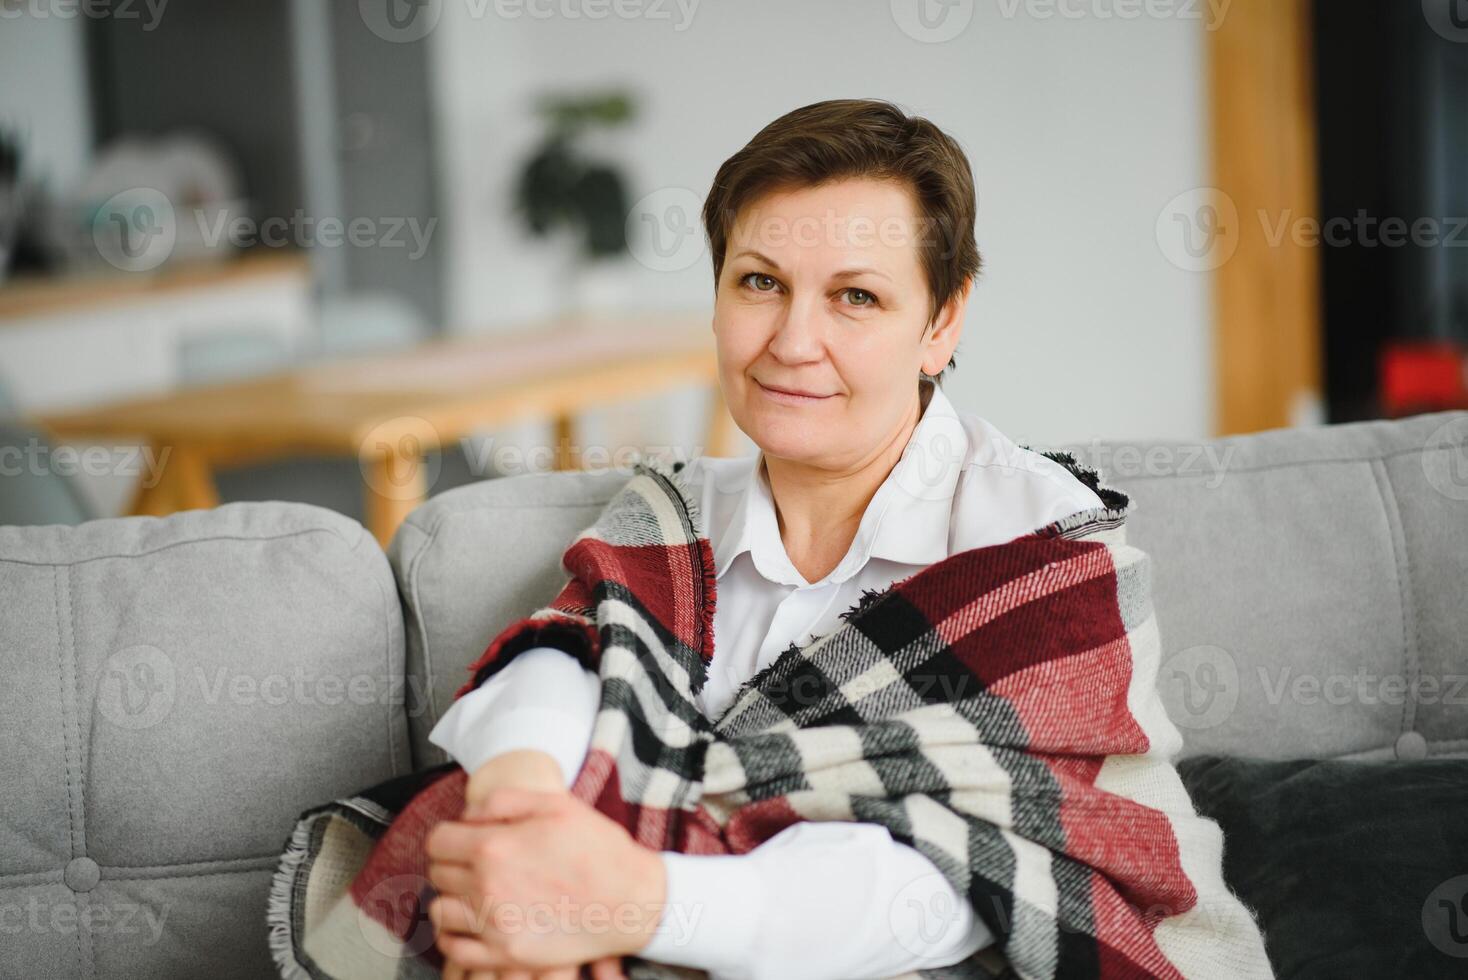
(860, 297)
(758, 277)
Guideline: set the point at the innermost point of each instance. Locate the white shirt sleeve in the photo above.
(543, 699)
(818, 901)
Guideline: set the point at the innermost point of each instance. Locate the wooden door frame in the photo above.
(1266, 296)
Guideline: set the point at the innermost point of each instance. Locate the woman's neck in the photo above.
(819, 510)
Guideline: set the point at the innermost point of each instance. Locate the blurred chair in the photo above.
(31, 489)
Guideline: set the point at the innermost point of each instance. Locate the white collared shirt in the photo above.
(818, 901)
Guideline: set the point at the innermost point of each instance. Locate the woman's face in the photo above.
(819, 320)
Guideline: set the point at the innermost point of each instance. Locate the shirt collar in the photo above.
(906, 521)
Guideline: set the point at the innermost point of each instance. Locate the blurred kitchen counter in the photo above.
(38, 295)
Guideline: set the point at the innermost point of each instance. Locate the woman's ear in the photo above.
(942, 336)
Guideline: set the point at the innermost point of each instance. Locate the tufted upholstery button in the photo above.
(1411, 745)
(82, 874)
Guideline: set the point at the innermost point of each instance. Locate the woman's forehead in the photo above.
(845, 201)
(860, 224)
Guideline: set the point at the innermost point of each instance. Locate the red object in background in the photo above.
(1423, 376)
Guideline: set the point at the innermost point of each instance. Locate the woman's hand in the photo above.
(531, 881)
(533, 770)
(521, 769)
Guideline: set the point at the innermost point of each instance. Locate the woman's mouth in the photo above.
(790, 396)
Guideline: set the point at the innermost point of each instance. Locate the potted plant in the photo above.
(12, 198)
(564, 190)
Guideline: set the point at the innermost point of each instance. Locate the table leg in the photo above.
(156, 492)
(193, 480)
(565, 441)
(185, 481)
(394, 484)
(720, 438)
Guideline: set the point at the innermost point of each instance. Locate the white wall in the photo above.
(1080, 130)
(43, 91)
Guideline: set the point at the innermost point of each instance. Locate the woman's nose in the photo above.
(798, 337)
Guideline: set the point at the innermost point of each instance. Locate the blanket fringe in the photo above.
(278, 907)
(673, 473)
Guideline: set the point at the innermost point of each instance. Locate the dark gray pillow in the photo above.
(1355, 869)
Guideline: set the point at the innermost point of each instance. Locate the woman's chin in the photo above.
(797, 442)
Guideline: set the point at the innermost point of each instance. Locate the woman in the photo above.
(843, 250)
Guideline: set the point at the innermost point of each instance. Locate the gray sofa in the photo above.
(174, 692)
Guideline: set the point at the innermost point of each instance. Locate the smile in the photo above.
(788, 397)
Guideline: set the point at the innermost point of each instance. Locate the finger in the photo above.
(560, 973)
(513, 803)
(453, 879)
(470, 953)
(608, 968)
(452, 914)
(454, 971)
(455, 842)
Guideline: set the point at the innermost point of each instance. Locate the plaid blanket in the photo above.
(997, 711)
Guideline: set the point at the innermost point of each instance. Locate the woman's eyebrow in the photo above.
(863, 271)
(761, 256)
(843, 274)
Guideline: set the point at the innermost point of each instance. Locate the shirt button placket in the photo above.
(793, 618)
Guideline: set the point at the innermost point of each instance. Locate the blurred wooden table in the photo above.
(389, 410)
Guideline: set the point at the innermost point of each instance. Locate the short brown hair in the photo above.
(859, 138)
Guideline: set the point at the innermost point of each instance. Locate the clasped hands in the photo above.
(534, 884)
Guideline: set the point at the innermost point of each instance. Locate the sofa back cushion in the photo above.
(1309, 582)
(1309, 586)
(471, 561)
(175, 693)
